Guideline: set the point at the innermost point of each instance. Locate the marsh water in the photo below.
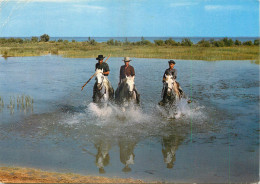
(214, 139)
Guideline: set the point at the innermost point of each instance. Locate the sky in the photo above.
(129, 18)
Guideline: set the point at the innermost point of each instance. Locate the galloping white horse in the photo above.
(173, 93)
(126, 91)
(102, 93)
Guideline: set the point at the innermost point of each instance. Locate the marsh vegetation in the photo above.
(209, 50)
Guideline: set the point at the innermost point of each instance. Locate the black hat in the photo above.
(100, 57)
(171, 61)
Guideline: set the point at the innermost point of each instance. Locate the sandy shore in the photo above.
(28, 175)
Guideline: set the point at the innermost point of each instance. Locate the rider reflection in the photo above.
(127, 153)
(102, 156)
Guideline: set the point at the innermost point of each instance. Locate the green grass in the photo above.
(86, 50)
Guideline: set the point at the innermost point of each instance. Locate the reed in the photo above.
(21, 102)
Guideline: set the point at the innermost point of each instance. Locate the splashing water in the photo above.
(183, 111)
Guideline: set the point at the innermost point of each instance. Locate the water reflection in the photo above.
(102, 157)
(127, 156)
(170, 145)
(69, 124)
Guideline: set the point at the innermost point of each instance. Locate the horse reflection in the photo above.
(170, 145)
(127, 155)
(102, 156)
(103, 91)
(126, 91)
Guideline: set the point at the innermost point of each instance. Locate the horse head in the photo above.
(130, 81)
(99, 78)
(170, 84)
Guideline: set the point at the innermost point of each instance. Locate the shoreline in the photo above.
(31, 175)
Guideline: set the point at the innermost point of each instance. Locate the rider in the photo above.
(127, 70)
(169, 71)
(102, 65)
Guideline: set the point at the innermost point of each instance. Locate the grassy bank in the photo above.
(86, 50)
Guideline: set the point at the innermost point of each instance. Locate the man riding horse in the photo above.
(126, 71)
(173, 72)
(102, 66)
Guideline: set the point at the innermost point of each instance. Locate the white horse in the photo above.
(171, 92)
(126, 91)
(102, 92)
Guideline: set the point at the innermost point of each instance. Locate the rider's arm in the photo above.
(106, 69)
(106, 73)
(132, 71)
(175, 74)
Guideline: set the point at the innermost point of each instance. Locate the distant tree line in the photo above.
(224, 42)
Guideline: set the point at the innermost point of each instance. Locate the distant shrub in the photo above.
(171, 42)
(111, 42)
(144, 42)
(159, 42)
(93, 42)
(44, 38)
(248, 43)
(228, 42)
(11, 40)
(34, 39)
(186, 42)
(73, 41)
(256, 42)
(237, 42)
(219, 43)
(19, 40)
(66, 41)
(204, 43)
(60, 40)
(118, 43)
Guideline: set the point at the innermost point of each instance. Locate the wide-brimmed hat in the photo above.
(100, 57)
(127, 59)
(171, 61)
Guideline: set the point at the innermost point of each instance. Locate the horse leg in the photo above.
(176, 89)
(94, 97)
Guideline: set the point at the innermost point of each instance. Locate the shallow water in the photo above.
(215, 138)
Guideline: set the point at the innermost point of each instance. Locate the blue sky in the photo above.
(125, 18)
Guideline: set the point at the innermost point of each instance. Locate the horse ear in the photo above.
(102, 70)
